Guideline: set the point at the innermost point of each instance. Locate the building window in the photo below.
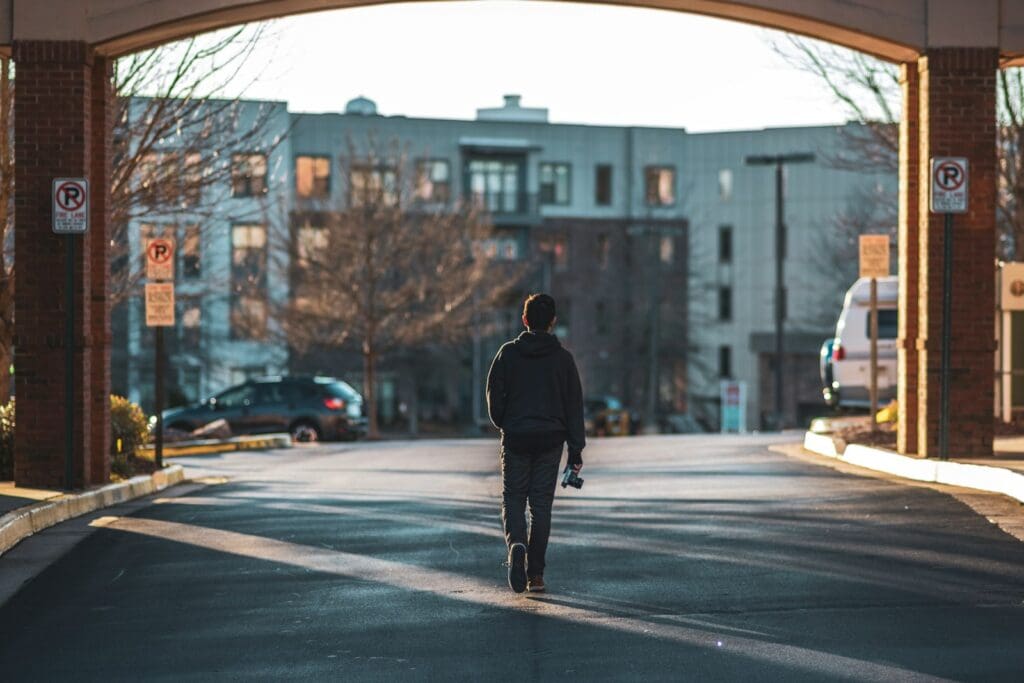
(603, 185)
(660, 185)
(667, 249)
(499, 248)
(601, 318)
(248, 175)
(603, 251)
(248, 281)
(310, 240)
(433, 180)
(192, 178)
(725, 304)
(372, 185)
(494, 185)
(191, 263)
(725, 362)
(313, 177)
(554, 183)
(557, 250)
(725, 184)
(191, 323)
(725, 244)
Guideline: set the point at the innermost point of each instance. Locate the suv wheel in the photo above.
(305, 432)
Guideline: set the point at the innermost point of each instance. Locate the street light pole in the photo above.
(779, 161)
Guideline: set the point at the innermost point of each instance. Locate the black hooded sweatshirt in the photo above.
(534, 396)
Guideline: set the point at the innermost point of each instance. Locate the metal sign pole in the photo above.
(69, 365)
(947, 312)
(874, 354)
(158, 446)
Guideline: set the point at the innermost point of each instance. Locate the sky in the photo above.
(586, 63)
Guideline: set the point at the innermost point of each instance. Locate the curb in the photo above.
(23, 522)
(213, 446)
(980, 477)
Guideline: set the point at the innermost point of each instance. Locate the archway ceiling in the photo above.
(896, 30)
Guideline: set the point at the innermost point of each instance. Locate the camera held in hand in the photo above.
(571, 478)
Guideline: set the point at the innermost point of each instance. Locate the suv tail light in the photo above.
(334, 403)
(838, 352)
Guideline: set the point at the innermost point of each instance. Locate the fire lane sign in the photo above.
(160, 259)
(949, 185)
(70, 206)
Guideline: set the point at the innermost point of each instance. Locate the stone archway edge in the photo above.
(25, 521)
(988, 478)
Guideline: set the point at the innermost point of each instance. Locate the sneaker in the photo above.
(517, 567)
(535, 584)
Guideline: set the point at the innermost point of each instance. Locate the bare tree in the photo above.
(174, 134)
(386, 270)
(869, 88)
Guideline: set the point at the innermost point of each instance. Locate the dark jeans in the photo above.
(529, 478)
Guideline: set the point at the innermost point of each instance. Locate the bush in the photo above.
(128, 426)
(7, 441)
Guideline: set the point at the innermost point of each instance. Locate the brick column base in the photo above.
(957, 101)
(55, 136)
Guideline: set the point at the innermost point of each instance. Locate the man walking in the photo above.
(535, 399)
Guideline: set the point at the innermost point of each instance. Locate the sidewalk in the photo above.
(1003, 473)
(28, 511)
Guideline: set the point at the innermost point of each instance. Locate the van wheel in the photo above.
(305, 431)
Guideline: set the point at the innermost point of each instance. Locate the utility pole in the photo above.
(779, 161)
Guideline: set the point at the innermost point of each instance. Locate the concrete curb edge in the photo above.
(23, 522)
(214, 446)
(981, 477)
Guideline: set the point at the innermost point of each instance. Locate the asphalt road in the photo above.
(683, 558)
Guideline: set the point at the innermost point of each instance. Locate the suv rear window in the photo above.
(339, 389)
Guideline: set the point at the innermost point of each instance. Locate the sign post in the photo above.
(70, 215)
(948, 196)
(874, 263)
(159, 314)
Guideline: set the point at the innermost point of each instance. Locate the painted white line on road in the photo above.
(462, 588)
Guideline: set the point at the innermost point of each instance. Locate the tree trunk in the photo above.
(370, 390)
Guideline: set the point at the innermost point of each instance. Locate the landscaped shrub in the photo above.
(128, 431)
(7, 441)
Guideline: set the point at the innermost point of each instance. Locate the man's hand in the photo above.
(576, 468)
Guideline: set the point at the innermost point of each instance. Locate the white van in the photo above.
(851, 351)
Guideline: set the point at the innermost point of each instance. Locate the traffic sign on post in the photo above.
(160, 259)
(70, 206)
(949, 185)
(874, 256)
(160, 304)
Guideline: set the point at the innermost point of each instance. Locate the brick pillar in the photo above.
(906, 387)
(958, 118)
(99, 254)
(52, 138)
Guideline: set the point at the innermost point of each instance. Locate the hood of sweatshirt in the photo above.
(534, 344)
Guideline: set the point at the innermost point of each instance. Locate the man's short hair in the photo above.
(539, 311)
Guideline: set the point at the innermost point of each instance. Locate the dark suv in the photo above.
(308, 408)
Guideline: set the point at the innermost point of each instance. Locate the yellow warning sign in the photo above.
(874, 256)
(160, 304)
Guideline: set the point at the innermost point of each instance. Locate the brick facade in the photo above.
(908, 268)
(55, 136)
(957, 110)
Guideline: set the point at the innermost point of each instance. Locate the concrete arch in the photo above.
(897, 30)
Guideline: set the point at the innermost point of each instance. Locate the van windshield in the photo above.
(888, 323)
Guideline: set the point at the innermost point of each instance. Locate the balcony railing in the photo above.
(507, 207)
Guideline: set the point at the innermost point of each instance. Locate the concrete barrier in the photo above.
(981, 477)
(23, 522)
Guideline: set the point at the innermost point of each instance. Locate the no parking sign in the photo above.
(70, 206)
(949, 185)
